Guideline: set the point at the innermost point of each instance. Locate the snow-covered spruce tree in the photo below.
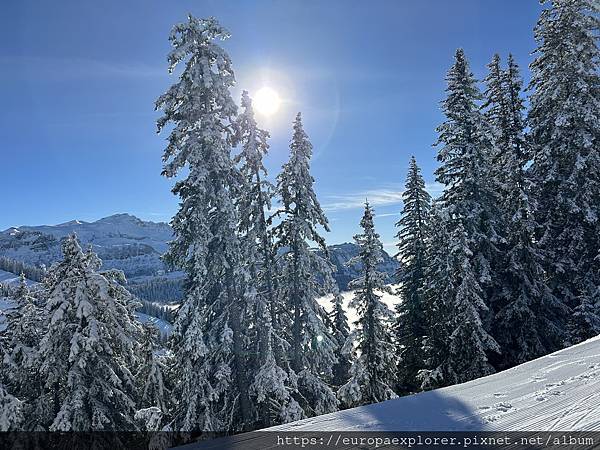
(564, 121)
(465, 150)
(438, 297)
(209, 338)
(496, 113)
(89, 349)
(340, 331)
(464, 153)
(524, 309)
(150, 376)
(20, 341)
(303, 277)
(270, 376)
(410, 326)
(457, 318)
(469, 342)
(373, 374)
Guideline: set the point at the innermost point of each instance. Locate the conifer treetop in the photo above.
(200, 104)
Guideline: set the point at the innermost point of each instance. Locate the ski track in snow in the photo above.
(560, 391)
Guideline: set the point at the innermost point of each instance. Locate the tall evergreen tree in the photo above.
(152, 389)
(272, 382)
(469, 342)
(459, 343)
(303, 273)
(209, 337)
(524, 309)
(410, 323)
(89, 349)
(465, 143)
(564, 121)
(496, 113)
(464, 153)
(438, 298)
(374, 371)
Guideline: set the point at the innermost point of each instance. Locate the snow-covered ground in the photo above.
(11, 278)
(163, 326)
(560, 391)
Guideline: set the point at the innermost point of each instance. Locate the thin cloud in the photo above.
(376, 197)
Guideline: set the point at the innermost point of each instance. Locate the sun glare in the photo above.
(266, 101)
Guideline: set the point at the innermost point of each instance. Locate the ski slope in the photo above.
(560, 391)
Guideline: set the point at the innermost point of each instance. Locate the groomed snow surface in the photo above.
(560, 391)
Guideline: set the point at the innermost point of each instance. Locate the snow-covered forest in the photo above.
(502, 268)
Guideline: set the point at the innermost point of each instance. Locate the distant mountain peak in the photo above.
(343, 245)
(71, 222)
(120, 217)
(125, 218)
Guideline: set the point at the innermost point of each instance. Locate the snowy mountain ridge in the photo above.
(135, 246)
(122, 241)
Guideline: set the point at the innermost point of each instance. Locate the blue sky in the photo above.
(79, 80)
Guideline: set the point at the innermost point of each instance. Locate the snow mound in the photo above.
(560, 391)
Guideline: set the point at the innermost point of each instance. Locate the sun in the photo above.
(266, 101)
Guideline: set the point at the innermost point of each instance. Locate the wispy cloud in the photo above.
(376, 197)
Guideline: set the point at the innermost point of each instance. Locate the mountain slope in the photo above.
(340, 254)
(122, 241)
(135, 246)
(560, 391)
(10, 278)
